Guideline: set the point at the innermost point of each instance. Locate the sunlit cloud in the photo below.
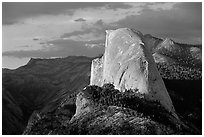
(162, 6)
(94, 45)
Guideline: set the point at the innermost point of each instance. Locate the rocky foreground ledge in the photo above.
(126, 95)
(107, 111)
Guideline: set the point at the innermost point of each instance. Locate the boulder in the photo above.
(83, 106)
(128, 64)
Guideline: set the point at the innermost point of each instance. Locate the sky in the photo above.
(60, 29)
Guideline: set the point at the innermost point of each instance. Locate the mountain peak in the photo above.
(139, 33)
(128, 64)
(168, 41)
(169, 45)
(31, 61)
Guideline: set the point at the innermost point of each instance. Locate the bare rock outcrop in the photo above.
(83, 105)
(97, 71)
(128, 64)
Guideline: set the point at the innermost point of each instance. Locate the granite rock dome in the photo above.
(128, 64)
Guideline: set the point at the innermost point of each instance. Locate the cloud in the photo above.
(8, 21)
(61, 48)
(90, 32)
(80, 20)
(51, 20)
(99, 23)
(109, 13)
(95, 45)
(36, 38)
(75, 33)
(118, 5)
(161, 6)
(182, 23)
(26, 46)
(12, 12)
(56, 25)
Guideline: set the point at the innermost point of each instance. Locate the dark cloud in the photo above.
(118, 5)
(25, 46)
(12, 12)
(6, 21)
(42, 43)
(36, 39)
(80, 20)
(99, 23)
(61, 48)
(183, 23)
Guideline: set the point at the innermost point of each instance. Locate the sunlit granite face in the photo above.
(97, 72)
(128, 64)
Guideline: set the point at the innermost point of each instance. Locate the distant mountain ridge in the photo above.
(40, 83)
(173, 52)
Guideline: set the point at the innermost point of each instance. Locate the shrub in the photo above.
(108, 96)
